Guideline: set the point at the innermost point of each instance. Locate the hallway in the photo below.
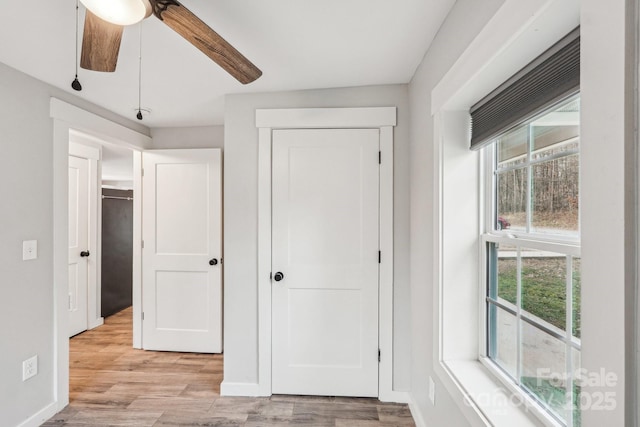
(112, 384)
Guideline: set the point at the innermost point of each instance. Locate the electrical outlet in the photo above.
(29, 368)
(29, 250)
(432, 391)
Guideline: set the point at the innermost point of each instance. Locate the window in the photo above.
(532, 258)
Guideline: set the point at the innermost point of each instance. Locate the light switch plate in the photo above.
(29, 250)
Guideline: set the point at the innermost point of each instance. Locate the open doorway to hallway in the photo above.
(100, 219)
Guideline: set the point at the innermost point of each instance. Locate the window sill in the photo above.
(483, 399)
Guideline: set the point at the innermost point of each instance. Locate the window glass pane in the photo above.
(513, 147)
(575, 404)
(537, 174)
(576, 297)
(557, 130)
(555, 196)
(503, 338)
(554, 141)
(504, 289)
(544, 287)
(511, 199)
(544, 368)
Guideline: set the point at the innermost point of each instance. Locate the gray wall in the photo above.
(26, 287)
(188, 137)
(241, 213)
(464, 22)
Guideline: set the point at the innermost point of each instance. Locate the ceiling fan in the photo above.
(105, 21)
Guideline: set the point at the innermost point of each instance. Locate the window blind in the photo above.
(551, 77)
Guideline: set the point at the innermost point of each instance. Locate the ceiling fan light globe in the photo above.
(119, 12)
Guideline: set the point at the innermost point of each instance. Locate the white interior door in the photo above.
(78, 244)
(181, 279)
(325, 253)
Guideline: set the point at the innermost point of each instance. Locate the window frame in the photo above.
(565, 245)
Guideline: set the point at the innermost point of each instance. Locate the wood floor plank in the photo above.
(398, 415)
(173, 419)
(112, 384)
(336, 410)
(143, 390)
(118, 417)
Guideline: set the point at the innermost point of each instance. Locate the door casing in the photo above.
(67, 120)
(382, 118)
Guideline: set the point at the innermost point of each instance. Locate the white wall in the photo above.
(26, 287)
(240, 212)
(188, 137)
(464, 22)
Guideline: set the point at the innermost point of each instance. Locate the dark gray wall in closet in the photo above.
(117, 250)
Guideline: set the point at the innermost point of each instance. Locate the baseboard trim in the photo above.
(239, 389)
(416, 413)
(41, 416)
(98, 322)
(395, 397)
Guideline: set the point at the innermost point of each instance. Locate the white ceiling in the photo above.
(298, 44)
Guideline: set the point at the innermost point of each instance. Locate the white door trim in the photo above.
(382, 118)
(67, 117)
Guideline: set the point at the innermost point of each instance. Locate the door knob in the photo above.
(278, 276)
(213, 261)
(84, 254)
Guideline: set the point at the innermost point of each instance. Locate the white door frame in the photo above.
(382, 118)
(67, 118)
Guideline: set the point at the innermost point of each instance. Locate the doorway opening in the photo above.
(101, 233)
(105, 368)
(69, 120)
(117, 197)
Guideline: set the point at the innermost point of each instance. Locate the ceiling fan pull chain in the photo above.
(139, 115)
(75, 84)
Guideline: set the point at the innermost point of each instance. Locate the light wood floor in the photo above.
(112, 384)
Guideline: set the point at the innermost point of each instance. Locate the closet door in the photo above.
(325, 262)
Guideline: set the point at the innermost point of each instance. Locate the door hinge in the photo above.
(379, 157)
(378, 355)
(143, 244)
(70, 305)
(379, 257)
(271, 276)
(143, 315)
(142, 171)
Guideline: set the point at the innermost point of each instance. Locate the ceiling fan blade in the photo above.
(100, 44)
(184, 22)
